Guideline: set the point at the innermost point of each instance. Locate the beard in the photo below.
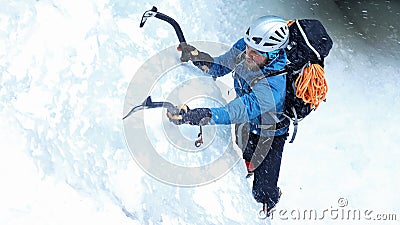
(251, 65)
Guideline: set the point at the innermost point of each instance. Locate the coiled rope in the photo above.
(311, 85)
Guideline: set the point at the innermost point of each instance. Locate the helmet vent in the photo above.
(274, 39)
(257, 40)
(248, 31)
(279, 34)
(268, 44)
(283, 31)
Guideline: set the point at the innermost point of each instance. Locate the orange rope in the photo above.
(311, 86)
(290, 22)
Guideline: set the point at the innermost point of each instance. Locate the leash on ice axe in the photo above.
(148, 103)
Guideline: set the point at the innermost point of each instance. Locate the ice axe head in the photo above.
(153, 13)
(149, 13)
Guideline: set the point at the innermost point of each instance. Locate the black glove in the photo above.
(200, 59)
(198, 116)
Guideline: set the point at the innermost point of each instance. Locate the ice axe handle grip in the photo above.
(171, 108)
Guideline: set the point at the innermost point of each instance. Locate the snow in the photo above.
(69, 72)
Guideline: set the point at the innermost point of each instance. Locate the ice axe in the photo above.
(149, 104)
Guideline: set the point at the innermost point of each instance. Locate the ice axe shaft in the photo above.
(149, 104)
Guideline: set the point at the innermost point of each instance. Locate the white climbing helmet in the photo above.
(267, 33)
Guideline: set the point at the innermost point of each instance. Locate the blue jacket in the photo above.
(258, 104)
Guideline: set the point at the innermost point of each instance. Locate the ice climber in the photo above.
(261, 131)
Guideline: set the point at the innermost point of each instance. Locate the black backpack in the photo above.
(309, 44)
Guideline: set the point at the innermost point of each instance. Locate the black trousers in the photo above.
(266, 155)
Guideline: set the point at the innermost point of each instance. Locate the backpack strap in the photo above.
(273, 127)
(295, 124)
(270, 74)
